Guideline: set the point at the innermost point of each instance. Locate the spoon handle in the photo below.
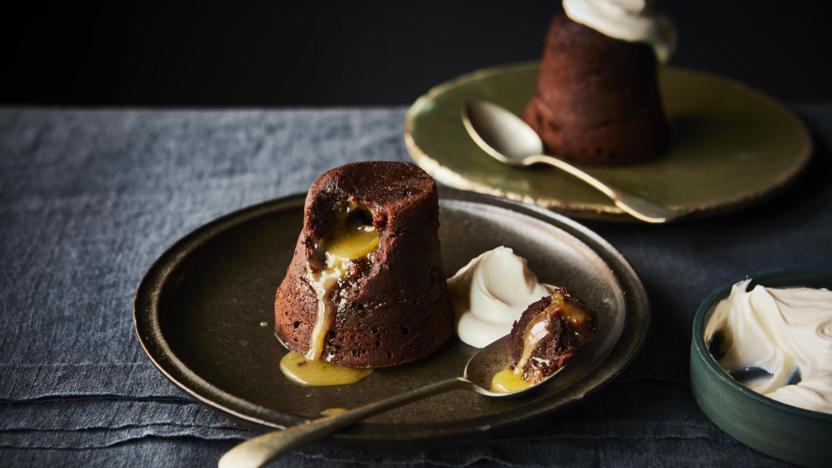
(259, 450)
(634, 205)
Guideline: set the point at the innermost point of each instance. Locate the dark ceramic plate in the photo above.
(203, 314)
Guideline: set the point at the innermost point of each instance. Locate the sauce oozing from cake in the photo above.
(538, 329)
(352, 239)
(511, 379)
(575, 315)
(318, 373)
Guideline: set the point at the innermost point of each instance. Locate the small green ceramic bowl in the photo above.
(776, 429)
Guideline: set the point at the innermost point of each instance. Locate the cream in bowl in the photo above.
(777, 342)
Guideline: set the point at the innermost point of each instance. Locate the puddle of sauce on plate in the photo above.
(318, 373)
(333, 411)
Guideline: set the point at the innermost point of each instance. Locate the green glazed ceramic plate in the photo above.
(204, 314)
(732, 146)
(789, 433)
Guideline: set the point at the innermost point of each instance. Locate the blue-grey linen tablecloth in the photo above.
(89, 198)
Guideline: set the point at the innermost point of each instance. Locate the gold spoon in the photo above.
(508, 139)
(477, 375)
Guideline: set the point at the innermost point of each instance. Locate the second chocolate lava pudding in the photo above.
(597, 98)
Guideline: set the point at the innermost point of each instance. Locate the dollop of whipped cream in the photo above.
(628, 20)
(788, 333)
(490, 293)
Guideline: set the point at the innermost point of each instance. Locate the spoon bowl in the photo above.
(508, 139)
(501, 134)
(482, 366)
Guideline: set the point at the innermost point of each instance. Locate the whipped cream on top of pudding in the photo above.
(627, 20)
(785, 332)
(490, 293)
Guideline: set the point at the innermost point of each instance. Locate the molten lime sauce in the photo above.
(333, 411)
(351, 240)
(508, 381)
(318, 373)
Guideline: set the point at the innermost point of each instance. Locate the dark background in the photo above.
(313, 53)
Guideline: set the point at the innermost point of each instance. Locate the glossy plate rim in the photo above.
(147, 309)
(590, 211)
